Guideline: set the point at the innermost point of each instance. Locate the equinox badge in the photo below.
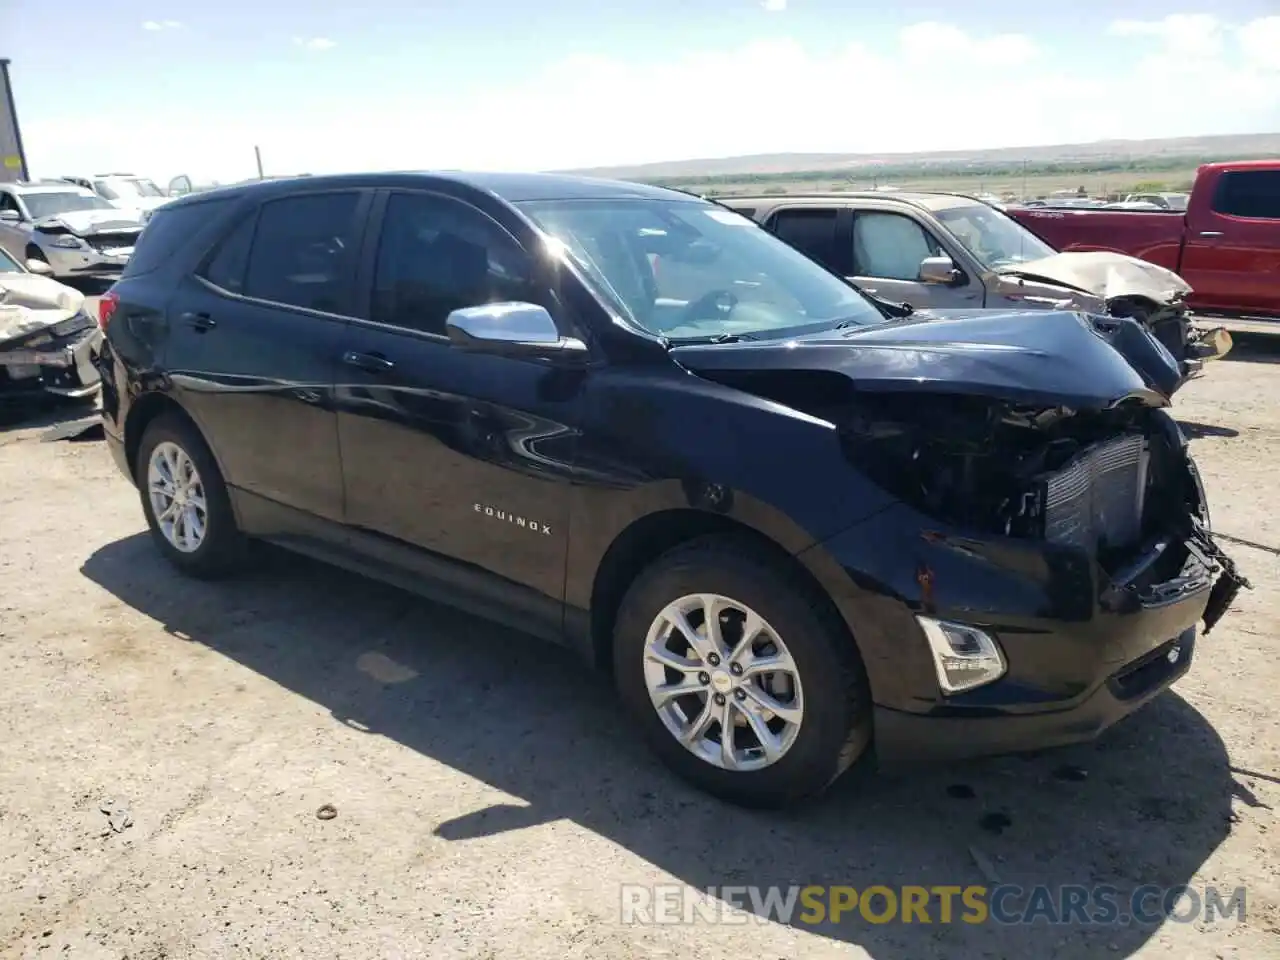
(533, 525)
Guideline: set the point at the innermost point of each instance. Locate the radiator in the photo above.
(1096, 500)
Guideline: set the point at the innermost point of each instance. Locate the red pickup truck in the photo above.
(1226, 245)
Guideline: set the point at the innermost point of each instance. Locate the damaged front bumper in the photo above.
(1081, 646)
(58, 360)
(93, 257)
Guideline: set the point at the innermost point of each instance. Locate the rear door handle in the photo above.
(373, 362)
(201, 321)
(1210, 233)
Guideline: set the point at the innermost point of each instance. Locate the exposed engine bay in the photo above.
(1095, 480)
(1116, 483)
(1054, 431)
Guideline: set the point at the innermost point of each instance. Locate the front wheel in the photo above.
(739, 679)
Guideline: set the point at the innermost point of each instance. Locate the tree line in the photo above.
(939, 169)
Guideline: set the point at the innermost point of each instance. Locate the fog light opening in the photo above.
(964, 656)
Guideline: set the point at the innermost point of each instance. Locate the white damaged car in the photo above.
(48, 341)
(75, 231)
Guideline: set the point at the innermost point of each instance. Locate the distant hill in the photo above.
(1241, 145)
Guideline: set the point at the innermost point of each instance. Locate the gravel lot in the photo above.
(490, 799)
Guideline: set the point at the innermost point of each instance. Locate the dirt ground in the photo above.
(490, 800)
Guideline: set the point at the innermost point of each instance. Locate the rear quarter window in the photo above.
(1253, 194)
(167, 231)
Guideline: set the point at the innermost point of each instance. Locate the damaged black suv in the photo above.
(797, 526)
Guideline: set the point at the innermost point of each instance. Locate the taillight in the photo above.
(107, 304)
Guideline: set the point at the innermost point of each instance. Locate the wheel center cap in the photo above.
(721, 682)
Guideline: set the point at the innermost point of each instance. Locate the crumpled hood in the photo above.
(1041, 358)
(1106, 275)
(29, 302)
(86, 223)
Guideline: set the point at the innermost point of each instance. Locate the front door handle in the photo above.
(373, 362)
(1210, 233)
(201, 321)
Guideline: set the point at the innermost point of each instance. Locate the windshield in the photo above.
(130, 187)
(695, 271)
(8, 264)
(41, 205)
(993, 239)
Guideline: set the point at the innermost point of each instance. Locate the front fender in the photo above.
(654, 442)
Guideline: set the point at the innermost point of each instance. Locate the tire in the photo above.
(221, 549)
(835, 727)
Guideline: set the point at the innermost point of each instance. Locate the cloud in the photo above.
(155, 25)
(774, 6)
(930, 86)
(923, 43)
(1260, 42)
(1183, 34)
(315, 43)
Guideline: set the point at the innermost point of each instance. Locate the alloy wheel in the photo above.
(177, 497)
(723, 682)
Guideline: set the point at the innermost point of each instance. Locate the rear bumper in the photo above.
(902, 737)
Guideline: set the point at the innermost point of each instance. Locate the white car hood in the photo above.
(1104, 274)
(88, 222)
(30, 302)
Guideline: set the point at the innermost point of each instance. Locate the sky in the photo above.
(163, 88)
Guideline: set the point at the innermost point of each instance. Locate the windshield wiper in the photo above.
(718, 338)
(893, 312)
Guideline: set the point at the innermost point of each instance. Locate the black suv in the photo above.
(793, 522)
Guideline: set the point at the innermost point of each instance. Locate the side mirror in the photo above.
(512, 329)
(938, 270)
(10, 216)
(39, 267)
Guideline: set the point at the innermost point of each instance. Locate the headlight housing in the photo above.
(964, 656)
(68, 242)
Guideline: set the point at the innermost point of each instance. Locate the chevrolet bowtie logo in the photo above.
(493, 513)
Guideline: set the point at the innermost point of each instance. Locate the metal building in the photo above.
(13, 160)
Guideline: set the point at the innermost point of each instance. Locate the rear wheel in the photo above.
(185, 499)
(739, 679)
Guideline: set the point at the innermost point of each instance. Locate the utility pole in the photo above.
(13, 159)
(257, 153)
(1024, 179)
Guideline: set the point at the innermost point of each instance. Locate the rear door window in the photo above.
(167, 230)
(812, 232)
(304, 251)
(226, 268)
(1253, 194)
